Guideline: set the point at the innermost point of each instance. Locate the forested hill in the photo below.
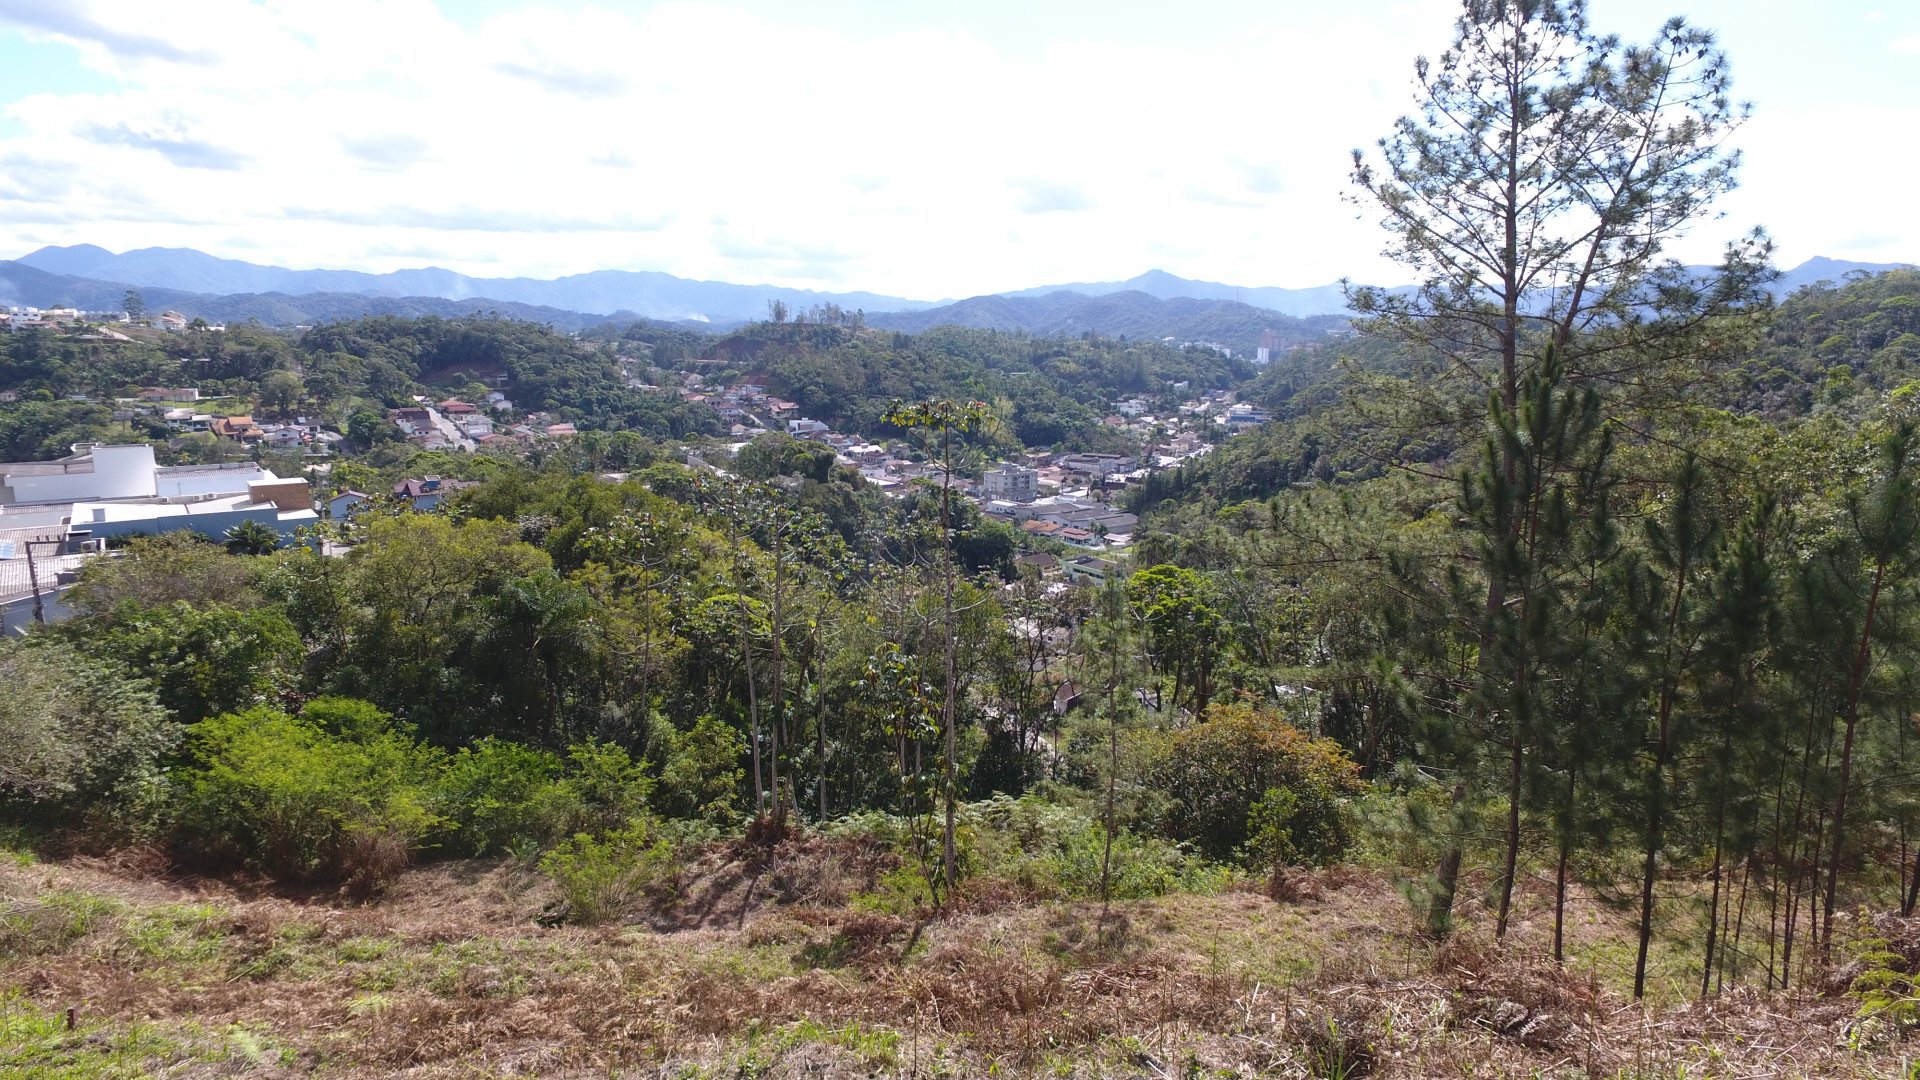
(1825, 351)
(1837, 346)
(1048, 390)
(1121, 314)
(24, 285)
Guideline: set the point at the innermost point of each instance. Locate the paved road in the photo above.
(448, 431)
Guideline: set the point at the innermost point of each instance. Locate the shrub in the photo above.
(500, 795)
(284, 795)
(77, 735)
(1046, 849)
(1056, 851)
(204, 661)
(603, 877)
(702, 775)
(1222, 768)
(603, 790)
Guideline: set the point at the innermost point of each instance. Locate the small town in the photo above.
(713, 539)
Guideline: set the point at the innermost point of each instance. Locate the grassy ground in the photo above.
(775, 966)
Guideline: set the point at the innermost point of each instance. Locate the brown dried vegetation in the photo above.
(768, 966)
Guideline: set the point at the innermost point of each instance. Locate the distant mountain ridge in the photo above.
(1820, 268)
(601, 292)
(30, 287)
(652, 294)
(1129, 313)
(226, 289)
(1300, 303)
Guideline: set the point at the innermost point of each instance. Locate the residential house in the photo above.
(1065, 698)
(412, 420)
(238, 428)
(281, 436)
(1089, 569)
(342, 505)
(426, 492)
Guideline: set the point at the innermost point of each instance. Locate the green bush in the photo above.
(500, 795)
(1046, 848)
(80, 743)
(603, 790)
(702, 775)
(283, 795)
(204, 661)
(603, 877)
(1056, 851)
(1298, 826)
(1220, 770)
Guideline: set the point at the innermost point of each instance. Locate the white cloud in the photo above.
(1907, 45)
(713, 142)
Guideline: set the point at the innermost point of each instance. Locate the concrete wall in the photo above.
(213, 525)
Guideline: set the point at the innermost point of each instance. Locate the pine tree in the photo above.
(1665, 606)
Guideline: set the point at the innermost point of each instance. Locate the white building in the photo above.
(1010, 483)
(101, 491)
(280, 505)
(119, 472)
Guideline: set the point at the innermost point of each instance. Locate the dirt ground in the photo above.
(774, 964)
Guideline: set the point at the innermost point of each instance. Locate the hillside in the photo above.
(25, 285)
(1329, 299)
(1122, 314)
(765, 963)
(601, 292)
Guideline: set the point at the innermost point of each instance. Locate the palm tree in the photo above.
(252, 538)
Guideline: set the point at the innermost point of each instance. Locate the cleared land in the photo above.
(776, 963)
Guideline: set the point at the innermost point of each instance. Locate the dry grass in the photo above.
(765, 969)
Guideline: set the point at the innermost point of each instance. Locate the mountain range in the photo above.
(1128, 313)
(1155, 303)
(650, 294)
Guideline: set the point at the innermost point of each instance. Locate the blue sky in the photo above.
(920, 149)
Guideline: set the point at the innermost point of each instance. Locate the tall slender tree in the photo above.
(944, 420)
(1534, 192)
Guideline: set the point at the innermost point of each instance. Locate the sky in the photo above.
(906, 147)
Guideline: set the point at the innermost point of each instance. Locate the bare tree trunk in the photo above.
(948, 850)
(1446, 876)
(1713, 924)
(1739, 923)
(778, 725)
(1856, 683)
(1512, 866)
(753, 715)
(1560, 873)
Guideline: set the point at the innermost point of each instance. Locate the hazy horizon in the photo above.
(850, 146)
